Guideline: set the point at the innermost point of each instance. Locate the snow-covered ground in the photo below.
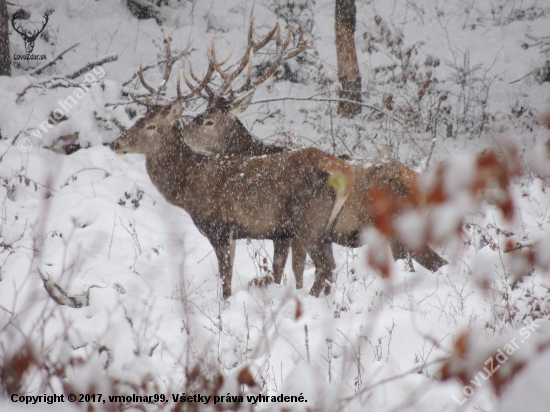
(106, 288)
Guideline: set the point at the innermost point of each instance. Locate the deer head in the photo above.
(151, 133)
(160, 118)
(29, 37)
(209, 130)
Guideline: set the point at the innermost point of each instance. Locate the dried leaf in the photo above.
(245, 378)
(298, 313)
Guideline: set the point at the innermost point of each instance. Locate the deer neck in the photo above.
(171, 166)
(241, 142)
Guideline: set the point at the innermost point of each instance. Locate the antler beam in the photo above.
(155, 93)
(252, 48)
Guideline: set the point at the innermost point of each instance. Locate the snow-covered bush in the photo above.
(105, 288)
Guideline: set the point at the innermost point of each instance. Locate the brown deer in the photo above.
(219, 131)
(290, 195)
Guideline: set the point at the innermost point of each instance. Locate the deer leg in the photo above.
(429, 259)
(299, 253)
(280, 253)
(322, 257)
(400, 251)
(223, 253)
(425, 257)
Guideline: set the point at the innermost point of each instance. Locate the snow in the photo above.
(111, 290)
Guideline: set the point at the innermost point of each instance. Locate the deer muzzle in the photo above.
(117, 147)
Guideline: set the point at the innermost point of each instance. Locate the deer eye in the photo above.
(152, 127)
(209, 123)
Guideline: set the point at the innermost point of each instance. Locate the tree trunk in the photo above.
(348, 70)
(5, 60)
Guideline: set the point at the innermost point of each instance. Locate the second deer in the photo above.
(218, 130)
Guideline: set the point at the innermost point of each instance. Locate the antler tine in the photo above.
(287, 40)
(194, 90)
(142, 78)
(280, 59)
(251, 47)
(228, 78)
(210, 71)
(209, 91)
(168, 69)
(212, 59)
(226, 59)
(218, 66)
(155, 93)
(250, 32)
(267, 38)
(249, 71)
(169, 63)
(136, 99)
(178, 82)
(202, 84)
(206, 79)
(195, 78)
(185, 51)
(187, 82)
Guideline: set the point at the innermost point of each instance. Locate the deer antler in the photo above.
(202, 84)
(246, 61)
(155, 93)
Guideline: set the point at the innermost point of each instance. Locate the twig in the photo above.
(35, 182)
(307, 342)
(393, 378)
(518, 246)
(330, 100)
(208, 254)
(12, 143)
(136, 74)
(44, 82)
(521, 78)
(112, 235)
(73, 176)
(90, 66)
(431, 151)
(59, 57)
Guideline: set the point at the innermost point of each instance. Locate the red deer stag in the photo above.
(219, 131)
(292, 194)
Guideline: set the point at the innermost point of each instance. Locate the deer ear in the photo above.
(240, 106)
(175, 112)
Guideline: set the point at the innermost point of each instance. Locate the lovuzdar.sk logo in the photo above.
(28, 36)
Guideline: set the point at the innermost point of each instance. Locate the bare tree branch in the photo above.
(90, 66)
(59, 57)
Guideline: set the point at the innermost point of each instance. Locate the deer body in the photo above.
(279, 197)
(259, 198)
(218, 130)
